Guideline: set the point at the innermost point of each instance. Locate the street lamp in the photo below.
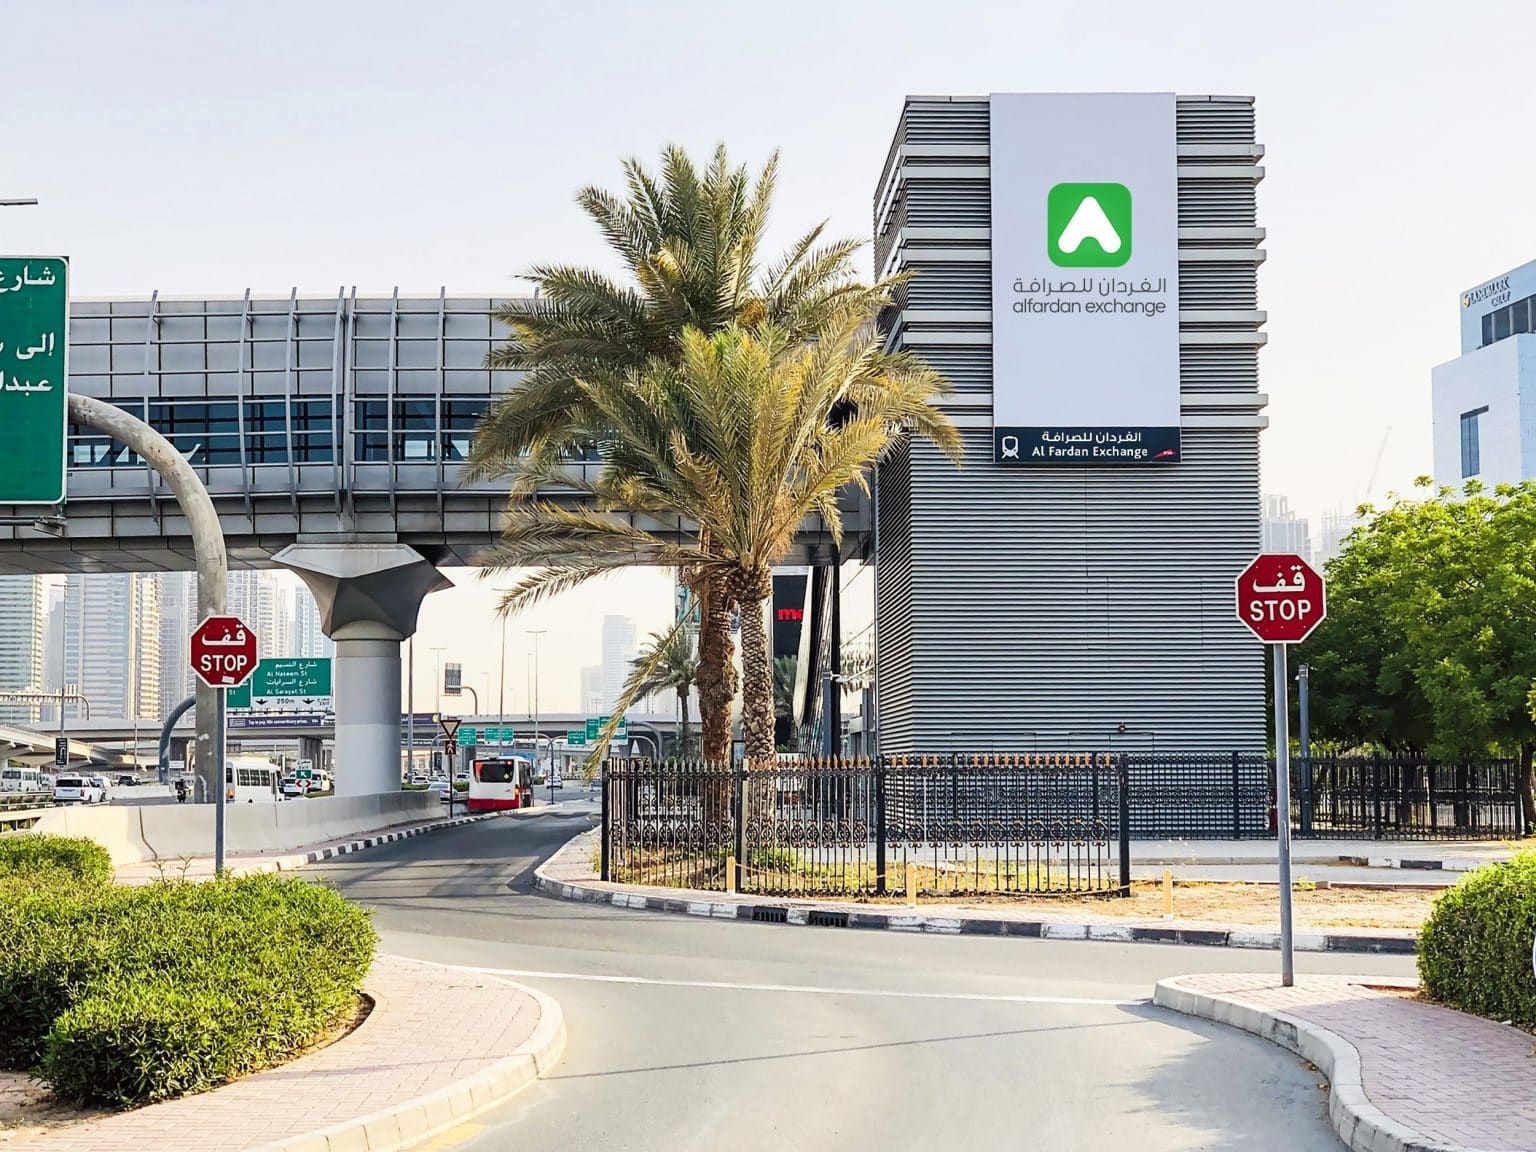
(536, 633)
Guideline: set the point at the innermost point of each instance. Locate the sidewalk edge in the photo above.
(692, 902)
(411, 1122)
(1359, 1123)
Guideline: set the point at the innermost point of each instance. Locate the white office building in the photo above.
(618, 652)
(1283, 530)
(112, 644)
(593, 702)
(1485, 399)
(22, 613)
(178, 616)
(306, 638)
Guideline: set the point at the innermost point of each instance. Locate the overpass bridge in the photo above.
(37, 748)
(331, 433)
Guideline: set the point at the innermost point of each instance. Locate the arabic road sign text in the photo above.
(576, 737)
(1281, 598)
(34, 347)
(223, 651)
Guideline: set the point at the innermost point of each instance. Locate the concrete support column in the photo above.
(310, 748)
(369, 596)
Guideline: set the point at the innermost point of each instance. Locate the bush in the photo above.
(129, 995)
(1475, 948)
(36, 858)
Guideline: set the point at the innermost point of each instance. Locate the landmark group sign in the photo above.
(1085, 279)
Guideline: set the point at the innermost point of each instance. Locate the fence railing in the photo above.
(896, 826)
(979, 823)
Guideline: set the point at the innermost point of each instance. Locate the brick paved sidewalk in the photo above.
(431, 1029)
(570, 873)
(1448, 1077)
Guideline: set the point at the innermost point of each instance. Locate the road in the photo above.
(688, 1034)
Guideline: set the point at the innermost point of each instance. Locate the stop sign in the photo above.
(1281, 598)
(223, 651)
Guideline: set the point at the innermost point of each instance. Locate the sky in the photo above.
(205, 148)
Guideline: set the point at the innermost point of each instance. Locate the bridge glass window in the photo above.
(415, 430)
(205, 433)
(371, 419)
(459, 420)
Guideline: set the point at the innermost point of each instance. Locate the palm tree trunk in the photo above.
(682, 707)
(757, 676)
(717, 673)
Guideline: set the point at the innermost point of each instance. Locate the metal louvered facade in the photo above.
(1069, 608)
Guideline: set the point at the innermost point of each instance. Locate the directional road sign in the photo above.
(286, 682)
(576, 737)
(1281, 598)
(34, 345)
(223, 651)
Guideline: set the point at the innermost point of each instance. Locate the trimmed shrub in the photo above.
(127, 995)
(37, 858)
(1475, 948)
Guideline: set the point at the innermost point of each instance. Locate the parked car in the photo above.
(293, 786)
(78, 790)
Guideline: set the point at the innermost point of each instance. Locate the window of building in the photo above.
(459, 420)
(1502, 323)
(1471, 452)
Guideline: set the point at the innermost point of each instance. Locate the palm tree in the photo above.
(666, 662)
(746, 434)
(784, 689)
(690, 241)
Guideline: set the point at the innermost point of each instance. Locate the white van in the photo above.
(23, 780)
(248, 780)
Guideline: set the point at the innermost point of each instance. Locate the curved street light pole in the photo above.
(212, 571)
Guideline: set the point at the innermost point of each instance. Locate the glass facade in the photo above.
(1471, 450)
(1510, 320)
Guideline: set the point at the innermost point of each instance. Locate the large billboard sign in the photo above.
(1085, 279)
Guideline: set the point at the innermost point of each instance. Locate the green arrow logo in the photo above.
(1088, 225)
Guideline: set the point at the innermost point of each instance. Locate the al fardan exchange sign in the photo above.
(1085, 279)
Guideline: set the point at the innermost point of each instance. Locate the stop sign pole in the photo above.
(222, 652)
(1281, 599)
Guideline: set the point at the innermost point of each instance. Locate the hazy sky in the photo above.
(207, 147)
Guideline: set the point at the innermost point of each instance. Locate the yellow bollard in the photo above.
(911, 883)
(1167, 892)
(730, 874)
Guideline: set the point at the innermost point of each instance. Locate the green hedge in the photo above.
(129, 995)
(1475, 948)
(34, 858)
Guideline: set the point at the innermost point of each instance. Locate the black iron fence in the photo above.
(895, 826)
(978, 823)
(1376, 798)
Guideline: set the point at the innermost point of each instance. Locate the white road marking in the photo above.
(808, 989)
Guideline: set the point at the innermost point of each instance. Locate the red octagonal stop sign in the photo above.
(223, 651)
(1281, 598)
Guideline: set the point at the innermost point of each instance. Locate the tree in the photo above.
(784, 668)
(1430, 640)
(667, 662)
(746, 435)
(690, 242)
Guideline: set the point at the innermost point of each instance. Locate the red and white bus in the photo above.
(501, 782)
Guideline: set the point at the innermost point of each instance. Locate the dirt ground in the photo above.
(1256, 904)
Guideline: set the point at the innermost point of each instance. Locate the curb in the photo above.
(300, 859)
(407, 1124)
(696, 903)
(1452, 865)
(1359, 1123)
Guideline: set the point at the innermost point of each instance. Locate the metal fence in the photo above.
(1375, 798)
(896, 826)
(981, 823)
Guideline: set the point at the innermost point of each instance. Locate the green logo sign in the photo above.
(34, 337)
(1088, 225)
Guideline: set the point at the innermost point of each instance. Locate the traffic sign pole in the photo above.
(221, 773)
(222, 652)
(1283, 812)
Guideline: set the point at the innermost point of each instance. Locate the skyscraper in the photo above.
(592, 700)
(112, 643)
(178, 612)
(618, 651)
(1283, 530)
(307, 638)
(21, 644)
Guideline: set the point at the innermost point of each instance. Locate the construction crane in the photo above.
(1375, 468)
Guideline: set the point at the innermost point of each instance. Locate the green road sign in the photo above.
(298, 677)
(34, 346)
(470, 737)
(594, 726)
(238, 696)
(500, 735)
(576, 737)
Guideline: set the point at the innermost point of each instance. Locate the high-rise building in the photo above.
(1484, 401)
(21, 644)
(1331, 532)
(112, 644)
(1283, 530)
(307, 638)
(178, 617)
(593, 702)
(618, 652)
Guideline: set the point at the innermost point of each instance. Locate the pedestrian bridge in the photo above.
(324, 419)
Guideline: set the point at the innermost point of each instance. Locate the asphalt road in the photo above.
(687, 1034)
